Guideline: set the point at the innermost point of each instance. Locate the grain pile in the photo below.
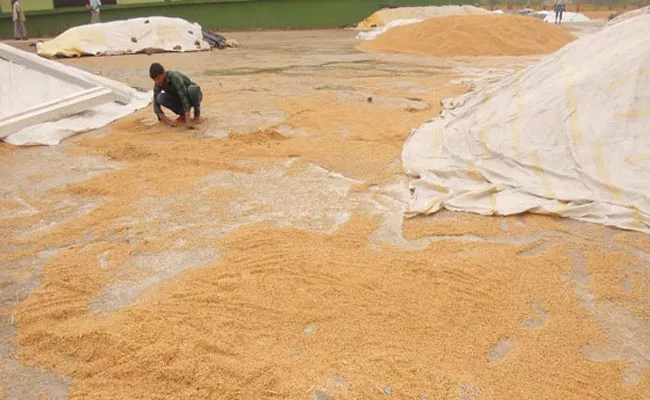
(295, 315)
(387, 15)
(476, 35)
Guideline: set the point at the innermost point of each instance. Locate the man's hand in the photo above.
(188, 120)
(163, 119)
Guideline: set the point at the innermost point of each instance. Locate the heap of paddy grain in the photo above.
(473, 35)
(386, 15)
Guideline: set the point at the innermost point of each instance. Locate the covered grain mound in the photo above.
(386, 15)
(559, 137)
(473, 35)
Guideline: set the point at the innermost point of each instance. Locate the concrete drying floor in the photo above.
(265, 256)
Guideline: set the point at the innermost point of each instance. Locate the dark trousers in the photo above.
(20, 32)
(174, 103)
(559, 10)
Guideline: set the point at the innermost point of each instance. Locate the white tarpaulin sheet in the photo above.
(630, 14)
(126, 37)
(564, 136)
(52, 133)
(22, 88)
(567, 16)
(372, 35)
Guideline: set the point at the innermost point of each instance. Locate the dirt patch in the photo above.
(474, 35)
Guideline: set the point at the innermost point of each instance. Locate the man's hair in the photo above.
(155, 70)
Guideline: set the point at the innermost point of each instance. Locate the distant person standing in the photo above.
(94, 7)
(560, 7)
(18, 16)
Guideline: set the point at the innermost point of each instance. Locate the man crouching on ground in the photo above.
(175, 91)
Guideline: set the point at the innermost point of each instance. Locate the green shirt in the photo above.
(176, 84)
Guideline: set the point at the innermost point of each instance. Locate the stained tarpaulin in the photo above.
(126, 37)
(566, 136)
